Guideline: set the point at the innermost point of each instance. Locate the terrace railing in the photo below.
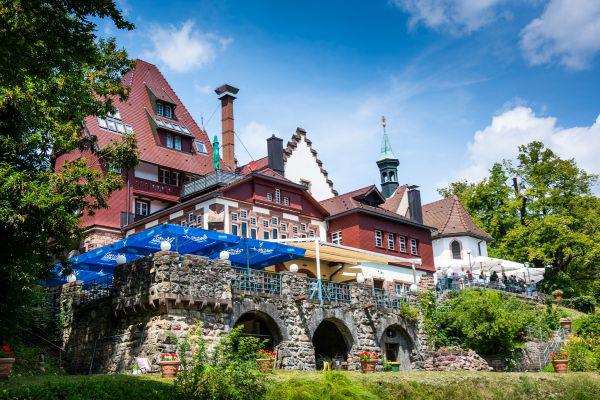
(256, 281)
(514, 288)
(385, 299)
(96, 289)
(336, 292)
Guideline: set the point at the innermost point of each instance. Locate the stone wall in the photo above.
(161, 296)
(453, 360)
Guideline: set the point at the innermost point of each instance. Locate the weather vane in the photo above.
(383, 122)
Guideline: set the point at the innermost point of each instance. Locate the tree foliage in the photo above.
(541, 210)
(54, 72)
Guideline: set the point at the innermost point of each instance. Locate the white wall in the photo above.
(147, 171)
(301, 164)
(443, 255)
(389, 272)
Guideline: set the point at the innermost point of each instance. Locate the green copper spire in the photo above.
(386, 147)
(216, 158)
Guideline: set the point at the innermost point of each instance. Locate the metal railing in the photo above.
(256, 281)
(552, 347)
(215, 178)
(514, 288)
(96, 289)
(384, 299)
(155, 187)
(336, 292)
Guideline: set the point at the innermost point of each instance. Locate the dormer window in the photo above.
(201, 147)
(173, 141)
(164, 110)
(113, 122)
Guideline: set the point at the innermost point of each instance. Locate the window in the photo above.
(142, 207)
(173, 141)
(169, 177)
(303, 227)
(234, 216)
(201, 147)
(199, 219)
(295, 230)
(234, 230)
(266, 235)
(286, 201)
(244, 214)
(253, 233)
(244, 229)
(252, 220)
(283, 226)
(283, 236)
(265, 223)
(177, 142)
(164, 110)
(269, 196)
(378, 239)
(191, 217)
(390, 241)
(336, 237)
(114, 123)
(311, 233)
(274, 221)
(170, 140)
(413, 246)
(183, 223)
(277, 196)
(275, 233)
(303, 236)
(402, 242)
(455, 247)
(102, 122)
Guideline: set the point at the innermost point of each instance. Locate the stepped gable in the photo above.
(293, 143)
(147, 82)
(451, 218)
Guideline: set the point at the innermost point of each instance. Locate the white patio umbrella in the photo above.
(497, 264)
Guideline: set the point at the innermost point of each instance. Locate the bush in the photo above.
(408, 312)
(588, 326)
(229, 373)
(332, 385)
(584, 353)
(586, 304)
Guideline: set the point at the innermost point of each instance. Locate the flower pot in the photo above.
(169, 369)
(6, 365)
(394, 366)
(565, 323)
(368, 366)
(558, 296)
(265, 364)
(560, 366)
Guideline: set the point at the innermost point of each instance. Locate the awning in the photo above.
(244, 252)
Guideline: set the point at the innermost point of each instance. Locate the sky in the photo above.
(462, 83)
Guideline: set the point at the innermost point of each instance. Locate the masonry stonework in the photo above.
(159, 297)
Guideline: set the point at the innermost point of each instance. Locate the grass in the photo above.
(317, 385)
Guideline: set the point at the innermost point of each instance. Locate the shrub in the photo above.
(588, 326)
(584, 354)
(408, 312)
(332, 385)
(586, 304)
(229, 373)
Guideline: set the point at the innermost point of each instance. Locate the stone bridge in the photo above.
(163, 295)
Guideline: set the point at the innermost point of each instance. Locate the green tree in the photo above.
(54, 71)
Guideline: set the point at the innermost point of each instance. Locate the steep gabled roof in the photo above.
(351, 202)
(255, 165)
(146, 83)
(393, 202)
(451, 218)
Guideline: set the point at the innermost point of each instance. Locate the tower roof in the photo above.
(386, 147)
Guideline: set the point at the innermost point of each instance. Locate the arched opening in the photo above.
(455, 248)
(396, 346)
(384, 177)
(392, 177)
(308, 272)
(260, 325)
(332, 342)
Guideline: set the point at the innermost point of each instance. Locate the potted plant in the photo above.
(7, 359)
(368, 361)
(135, 368)
(265, 360)
(169, 365)
(565, 323)
(558, 294)
(560, 362)
(391, 366)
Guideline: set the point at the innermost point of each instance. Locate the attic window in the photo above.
(164, 110)
(173, 141)
(201, 147)
(113, 122)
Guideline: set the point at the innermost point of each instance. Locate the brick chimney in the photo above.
(227, 95)
(275, 154)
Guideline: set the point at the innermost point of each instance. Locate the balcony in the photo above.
(164, 191)
(214, 179)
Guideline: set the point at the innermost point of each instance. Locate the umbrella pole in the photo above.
(319, 288)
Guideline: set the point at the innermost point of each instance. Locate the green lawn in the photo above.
(312, 385)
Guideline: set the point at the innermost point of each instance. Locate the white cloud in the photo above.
(519, 126)
(203, 89)
(568, 32)
(254, 136)
(184, 48)
(455, 16)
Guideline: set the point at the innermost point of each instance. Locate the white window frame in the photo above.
(170, 141)
(253, 221)
(303, 227)
(274, 221)
(336, 237)
(177, 142)
(402, 243)
(286, 201)
(311, 233)
(243, 214)
(391, 243)
(191, 217)
(283, 226)
(265, 223)
(234, 216)
(277, 196)
(269, 196)
(142, 209)
(199, 219)
(295, 230)
(414, 247)
(378, 239)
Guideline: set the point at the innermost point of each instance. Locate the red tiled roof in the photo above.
(349, 202)
(137, 111)
(393, 202)
(450, 217)
(255, 165)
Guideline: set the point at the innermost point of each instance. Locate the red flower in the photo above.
(552, 355)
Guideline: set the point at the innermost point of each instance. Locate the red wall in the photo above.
(358, 230)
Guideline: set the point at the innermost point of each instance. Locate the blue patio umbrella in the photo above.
(257, 254)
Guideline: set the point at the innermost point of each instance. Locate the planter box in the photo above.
(6, 365)
(394, 366)
(169, 369)
(368, 367)
(560, 366)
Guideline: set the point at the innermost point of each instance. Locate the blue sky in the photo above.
(462, 83)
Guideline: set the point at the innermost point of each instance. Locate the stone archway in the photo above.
(396, 345)
(332, 342)
(260, 325)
